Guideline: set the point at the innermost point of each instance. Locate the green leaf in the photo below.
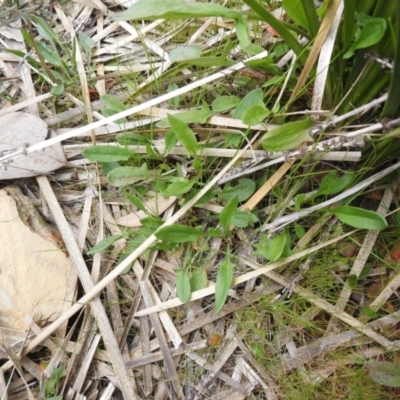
(107, 153)
(371, 34)
(227, 214)
(223, 283)
(86, 41)
(199, 279)
(360, 218)
(253, 98)
(51, 56)
(173, 9)
(287, 136)
(188, 117)
(136, 202)
(225, 103)
(255, 115)
(174, 102)
(184, 134)
(183, 53)
(44, 29)
(271, 249)
(299, 230)
(242, 219)
(152, 222)
(179, 187)
(303, 13)
(243, 34)
(107, 167)
(113, 103)
(352, 280)
(178, 233)
(332, 184)
(127, 175)
(385, 373)
(243, 190)
(183, 288)
(103, 244)
(58, 90)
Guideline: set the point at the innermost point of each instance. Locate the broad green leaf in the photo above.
(371, 34)
(184, 134)
(242, 219)
(179, 187)
(170, 141)
(199, 279)
(107, 167)
(113, 103)
(299, 230)
(243, 190)
(255, 115)
(385, 373)
(287, 136)
(107, 153)
(103, 244)
(352, 280)
(178, 233)
(183, 288)
(227, 214)
(277, 245)
(332, 184)
(188, 117)
(152, 222)
(58, 90)
(360, 218)
(225, 103)
(271, 249)
(183, 53)
(253, 98)
(127, 175)
(223, 283)
(174, 9)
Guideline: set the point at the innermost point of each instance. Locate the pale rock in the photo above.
(34, 270)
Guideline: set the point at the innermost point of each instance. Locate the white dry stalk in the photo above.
(131, 111)
(279, 223)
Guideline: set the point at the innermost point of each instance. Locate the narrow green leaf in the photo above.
(107, 153)
(127, 175)
(185, 135)
(174, 102)
(173, 9)
(287, 136)
(113, 103)
(179, 187)
(178, 233)
(183, 53)
(243, 34)
(352, 280)
(86, 41)
(103, 244)
(51, 56)
(136, 202)
(223, 283)
(227, 214)
(44, 29)
(199, 279)
(183, 288)
(360, 218)
(303, 13)
(225, 103)
(385, 373)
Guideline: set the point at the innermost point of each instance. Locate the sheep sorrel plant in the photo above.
(230, 182)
